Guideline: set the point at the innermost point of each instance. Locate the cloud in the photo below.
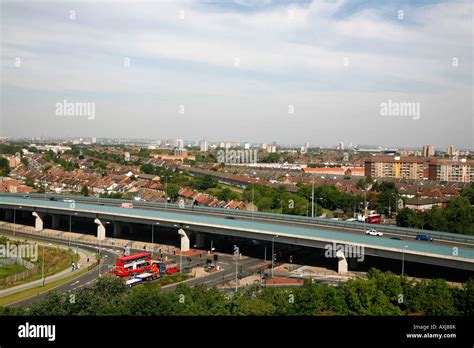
(283, 49)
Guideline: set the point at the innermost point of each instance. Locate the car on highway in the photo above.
(230, 217)
(396, 238)
(424, 237)
(53, 199)
(373, 232)
(68, 200)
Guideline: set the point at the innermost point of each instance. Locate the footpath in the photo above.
(86, 259)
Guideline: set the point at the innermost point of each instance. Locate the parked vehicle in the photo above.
(373, 232)
(424, 237)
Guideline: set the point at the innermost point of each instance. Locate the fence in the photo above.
(83, 238)
(31, 269)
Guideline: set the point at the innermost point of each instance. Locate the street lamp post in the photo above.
(403, 259)
(98, 252)
(312, 200)
(152, 239)
(253, 189)
(42, 268)
(166, 192)
(236, 256)
(273, 251)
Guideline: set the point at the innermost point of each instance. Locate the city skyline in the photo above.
(196, 141)
(313, 70)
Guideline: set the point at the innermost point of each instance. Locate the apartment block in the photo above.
(395, 167)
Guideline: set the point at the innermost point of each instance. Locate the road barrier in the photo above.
(409, 232)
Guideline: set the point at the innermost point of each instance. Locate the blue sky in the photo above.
(288, 53)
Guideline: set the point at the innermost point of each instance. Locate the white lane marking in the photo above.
(75, 283)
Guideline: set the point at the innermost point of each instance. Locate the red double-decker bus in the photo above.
(374, 219)
(133, 264)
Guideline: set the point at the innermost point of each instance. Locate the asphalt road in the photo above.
(110, 253)
(273, 221)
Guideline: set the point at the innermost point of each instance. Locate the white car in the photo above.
(373, 232)
(68, 200)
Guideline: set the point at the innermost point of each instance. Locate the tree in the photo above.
(227, 194)
(468, 192)
(205, 182)
(85, 191)
(172, 191)
(4, 167)
(361, 184)
(407, 218)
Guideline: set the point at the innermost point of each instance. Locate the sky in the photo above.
(256, 71)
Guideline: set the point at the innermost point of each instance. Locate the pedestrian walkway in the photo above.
(86, 259)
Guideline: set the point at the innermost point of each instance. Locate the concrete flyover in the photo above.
(288, 232)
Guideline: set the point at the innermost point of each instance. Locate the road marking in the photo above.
(74, 283)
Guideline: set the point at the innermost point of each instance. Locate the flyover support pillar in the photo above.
(100, 229)
(184, 240)
(38, 221)
(342, 262)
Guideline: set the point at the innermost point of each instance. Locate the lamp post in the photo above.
(236, 256)
(42, 268)
(253, 189)
(166, 192)
(273, 251)
(152, 239)
(403, 259)
(312, 199)
(70, 222)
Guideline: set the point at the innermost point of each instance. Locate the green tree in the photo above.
(172, 191)
(4, 167)
(407, 218)
(85, 191)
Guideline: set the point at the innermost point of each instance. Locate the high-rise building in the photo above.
(395, 167)
(451, 170)
(340, 146)
(180, 143)
(247, 146)
(203, 145)
(428, 151)
(450, 150)
(264, 146)
(271, 149)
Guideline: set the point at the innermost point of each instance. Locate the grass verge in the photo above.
(10, 299)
